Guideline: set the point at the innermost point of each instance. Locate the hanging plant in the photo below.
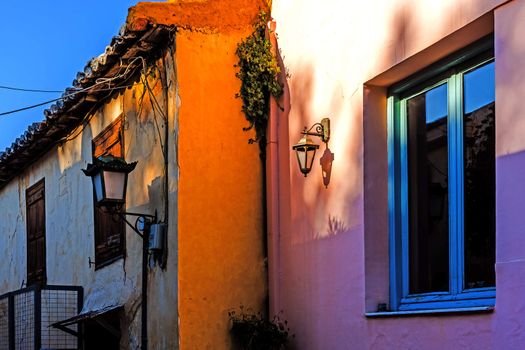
(258, 70)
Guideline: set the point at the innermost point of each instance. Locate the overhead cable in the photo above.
(28, 90)
(60, 98)
(97, 82)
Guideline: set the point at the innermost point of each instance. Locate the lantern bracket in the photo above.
(305, 148)
(148, 220)
(322, 130)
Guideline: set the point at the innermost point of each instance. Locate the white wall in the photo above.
(69, 216)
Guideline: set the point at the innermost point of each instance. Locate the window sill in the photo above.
(433, 312)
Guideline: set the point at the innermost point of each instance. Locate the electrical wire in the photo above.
(71, 136)
(139, 114)
(90, 114)
(158, 130)
(153, 100)
(29, 107)
(60, 98)
(98, 82)
(28, 90)
(152, 95)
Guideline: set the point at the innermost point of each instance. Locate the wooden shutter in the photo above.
(110, 141)
(36, 233)
(109, 229)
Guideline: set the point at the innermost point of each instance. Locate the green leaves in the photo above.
(258, 70)
(254, 332)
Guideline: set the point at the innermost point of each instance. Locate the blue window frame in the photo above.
(441, 141)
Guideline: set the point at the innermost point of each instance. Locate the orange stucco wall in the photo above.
(221, 262)
(220, 204)
(202, 15)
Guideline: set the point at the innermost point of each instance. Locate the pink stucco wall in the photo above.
(328, 247)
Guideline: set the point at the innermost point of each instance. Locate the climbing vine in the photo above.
(258, 70)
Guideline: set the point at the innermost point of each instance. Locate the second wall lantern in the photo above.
(305, 148)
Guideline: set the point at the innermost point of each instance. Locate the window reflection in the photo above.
(428, 191)
(480, 179)
(478, 86)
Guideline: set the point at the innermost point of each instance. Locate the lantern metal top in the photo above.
(109, 163)
(305, 142)
(110, 177)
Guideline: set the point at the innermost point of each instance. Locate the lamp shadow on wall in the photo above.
(326, 161)
(336, 226)
(304, 90)
(156, 194)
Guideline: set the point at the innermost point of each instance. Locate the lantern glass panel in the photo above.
(115, 184)
(301, 157)
(99, 186)
(310, 157)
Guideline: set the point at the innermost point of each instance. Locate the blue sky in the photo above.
(43, 46)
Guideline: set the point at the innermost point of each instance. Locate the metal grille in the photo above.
(26, 317)
(4, 324)
(24, 321)
(58, 305)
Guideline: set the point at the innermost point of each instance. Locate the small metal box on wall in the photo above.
(156, 237)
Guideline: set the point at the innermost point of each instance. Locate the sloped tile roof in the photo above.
(102, 76)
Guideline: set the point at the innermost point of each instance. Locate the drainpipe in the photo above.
(272, 192)
(144, 301)
(165, 92)
(147, 226)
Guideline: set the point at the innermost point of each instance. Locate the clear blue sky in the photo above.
(43, 46)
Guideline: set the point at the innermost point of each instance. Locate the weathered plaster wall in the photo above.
(69, 216)
(330, 245)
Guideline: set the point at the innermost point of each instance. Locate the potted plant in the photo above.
(252, 331)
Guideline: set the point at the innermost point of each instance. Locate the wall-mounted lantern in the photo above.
(305, 148)
(110, 177)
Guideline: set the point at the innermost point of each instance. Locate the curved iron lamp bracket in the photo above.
(322, 130)
(148, 220)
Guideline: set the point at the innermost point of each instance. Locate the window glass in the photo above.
(479, 177)
(442, 202)
(428, 191)
(479, 87)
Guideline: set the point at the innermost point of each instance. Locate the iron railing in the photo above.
(26, 316)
